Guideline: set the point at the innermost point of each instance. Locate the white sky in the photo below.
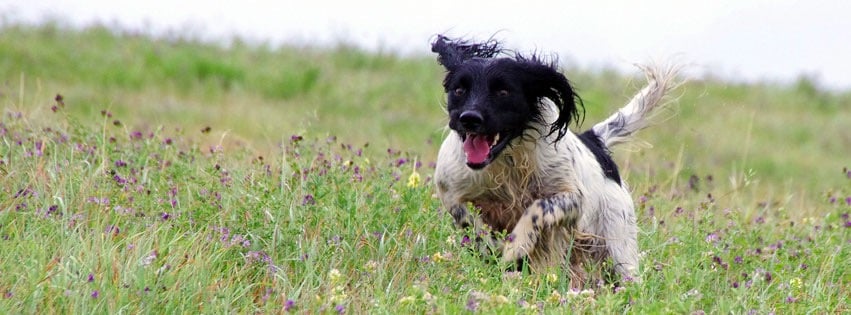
(742, 40)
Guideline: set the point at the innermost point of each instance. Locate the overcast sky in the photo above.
(743, 40)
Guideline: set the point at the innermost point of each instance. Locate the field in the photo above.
(168, 175)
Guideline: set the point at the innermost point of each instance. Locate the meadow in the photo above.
(169, 175)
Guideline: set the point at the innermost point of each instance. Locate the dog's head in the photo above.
(493, 100)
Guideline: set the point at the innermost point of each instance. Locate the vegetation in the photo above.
(145, 175)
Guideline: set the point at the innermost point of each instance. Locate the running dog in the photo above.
(512, 171)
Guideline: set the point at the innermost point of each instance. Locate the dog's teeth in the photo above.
(495, 139)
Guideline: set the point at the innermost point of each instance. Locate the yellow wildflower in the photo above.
(414, 179)
(796, 283)
(334, 275)
(407, 300)
(554, 297)
(552, 278)
(499, 299)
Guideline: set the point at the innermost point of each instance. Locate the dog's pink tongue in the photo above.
(477, 148)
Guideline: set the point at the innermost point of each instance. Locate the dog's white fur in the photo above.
(546, 194)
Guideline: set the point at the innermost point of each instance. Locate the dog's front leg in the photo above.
(560, 209)
(486, 244)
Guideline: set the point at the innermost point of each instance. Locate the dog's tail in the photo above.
(636, 115)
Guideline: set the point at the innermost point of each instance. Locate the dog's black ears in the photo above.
(544, 80)
(451, 53)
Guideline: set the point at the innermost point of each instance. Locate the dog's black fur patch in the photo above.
(602, 154)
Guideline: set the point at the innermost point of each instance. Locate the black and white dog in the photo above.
(510, 164)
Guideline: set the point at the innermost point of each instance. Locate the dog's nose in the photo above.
(471, 120)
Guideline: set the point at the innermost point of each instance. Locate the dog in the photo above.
(512, 171)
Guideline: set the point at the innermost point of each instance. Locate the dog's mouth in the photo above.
(482, 149)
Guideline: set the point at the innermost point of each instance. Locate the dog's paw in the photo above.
(516, 247)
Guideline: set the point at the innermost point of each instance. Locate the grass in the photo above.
(180, 177)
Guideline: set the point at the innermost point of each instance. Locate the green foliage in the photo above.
(180, 177)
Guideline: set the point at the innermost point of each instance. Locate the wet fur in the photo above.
(558, 196)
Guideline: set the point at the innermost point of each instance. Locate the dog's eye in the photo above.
(502, 93)
(460, 91)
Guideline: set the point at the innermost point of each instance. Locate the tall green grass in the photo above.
(179, 176)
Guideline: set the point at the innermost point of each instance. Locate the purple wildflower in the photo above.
(91, 278)
(165, 216)
(378, 234)
(720, 262)
(335, 240)
(112, 229)
(267, 294)
(150, 258)
(51, 210)
(95, 294)
(39, 150)
(120, 163)
(258, 256)
(308, 200)
(340, 309)
(7, 294)
(759, 220)
(472, 304)
(465, 240)
(99, 201)
(289, 305)
(167, 141)
(738, 259)
(791, 299)
(296, 138)
(712, 237)
(848, 200)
